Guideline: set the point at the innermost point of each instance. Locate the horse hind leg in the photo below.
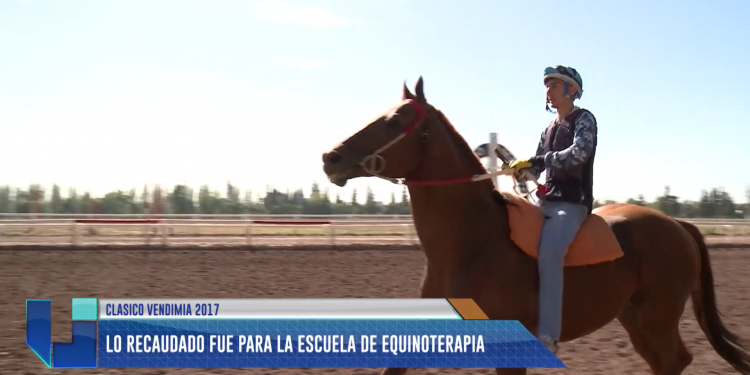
(394, 371)
(629, 320)
(655, 336)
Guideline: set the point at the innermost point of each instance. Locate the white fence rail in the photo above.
(247, 230)
(4, 217)
(32, 216)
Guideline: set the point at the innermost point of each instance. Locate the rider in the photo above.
(566, 151)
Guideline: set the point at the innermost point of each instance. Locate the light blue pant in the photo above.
(558, 233)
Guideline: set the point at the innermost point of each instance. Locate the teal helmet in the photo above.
(568, 75)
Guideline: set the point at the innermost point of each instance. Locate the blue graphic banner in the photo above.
(320, 344)
(80, 352)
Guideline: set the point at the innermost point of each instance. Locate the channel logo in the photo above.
(81, 352)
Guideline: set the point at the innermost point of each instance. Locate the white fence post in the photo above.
(729, 232)
(75, 233)
(163, 233)
(147, 232)
(493, 156)
(415, 235)
(332, 233)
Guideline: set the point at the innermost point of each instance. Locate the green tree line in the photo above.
(181, 199)
(714, 203)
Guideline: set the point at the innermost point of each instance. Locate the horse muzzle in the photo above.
(340, 170)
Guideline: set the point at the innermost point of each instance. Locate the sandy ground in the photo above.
(61, 275)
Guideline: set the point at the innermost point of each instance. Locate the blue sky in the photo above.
(107, 95)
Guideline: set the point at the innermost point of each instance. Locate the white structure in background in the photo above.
(493, 157)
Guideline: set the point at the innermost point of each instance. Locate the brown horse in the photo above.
(464, 227)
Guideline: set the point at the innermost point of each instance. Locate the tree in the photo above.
(181, 200)
(355, 207)
(145, 199)
(690, 209)
(717, 203)
(726, 208)
(668, 203)
(392, 207)
(72, 204)
(135, 206)
(340, 207)
(298, 197)
(157, 201)
(208, 201)
(87, 204)
(317, 204)
(5, 199)
(36, 198)
(115, 202)
(234, 206)
(248, 198)
(371, 207)
(271, 199)
(55, 205)
(639, 201)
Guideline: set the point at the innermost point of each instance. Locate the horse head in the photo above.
(391, 146)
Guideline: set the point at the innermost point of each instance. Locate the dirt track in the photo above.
(61, 275)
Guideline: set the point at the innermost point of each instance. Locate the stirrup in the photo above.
(550, 344)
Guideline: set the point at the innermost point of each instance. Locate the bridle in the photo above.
(375, 163)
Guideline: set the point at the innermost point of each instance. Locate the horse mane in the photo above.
(499, 197)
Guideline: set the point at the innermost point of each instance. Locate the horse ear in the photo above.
(407, 94)
(420, 90)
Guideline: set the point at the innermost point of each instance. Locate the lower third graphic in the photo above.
(81, 352)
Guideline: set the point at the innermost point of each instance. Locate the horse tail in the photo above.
(726, 343)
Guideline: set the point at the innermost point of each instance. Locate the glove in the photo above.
(520, 164)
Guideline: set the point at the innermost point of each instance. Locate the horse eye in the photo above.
(393, 121)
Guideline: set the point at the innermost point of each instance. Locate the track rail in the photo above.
(169, 233)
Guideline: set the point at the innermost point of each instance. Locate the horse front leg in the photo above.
(432, 287)
(460, 287)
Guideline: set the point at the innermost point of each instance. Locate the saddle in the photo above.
(594, 243)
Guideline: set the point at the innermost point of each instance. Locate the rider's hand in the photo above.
(520, 164)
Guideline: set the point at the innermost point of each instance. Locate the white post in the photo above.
(414, 234)
(493, 156)
(75, 233)
(332, 233)
(164, 228)
(249, 235)
(147, 233)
